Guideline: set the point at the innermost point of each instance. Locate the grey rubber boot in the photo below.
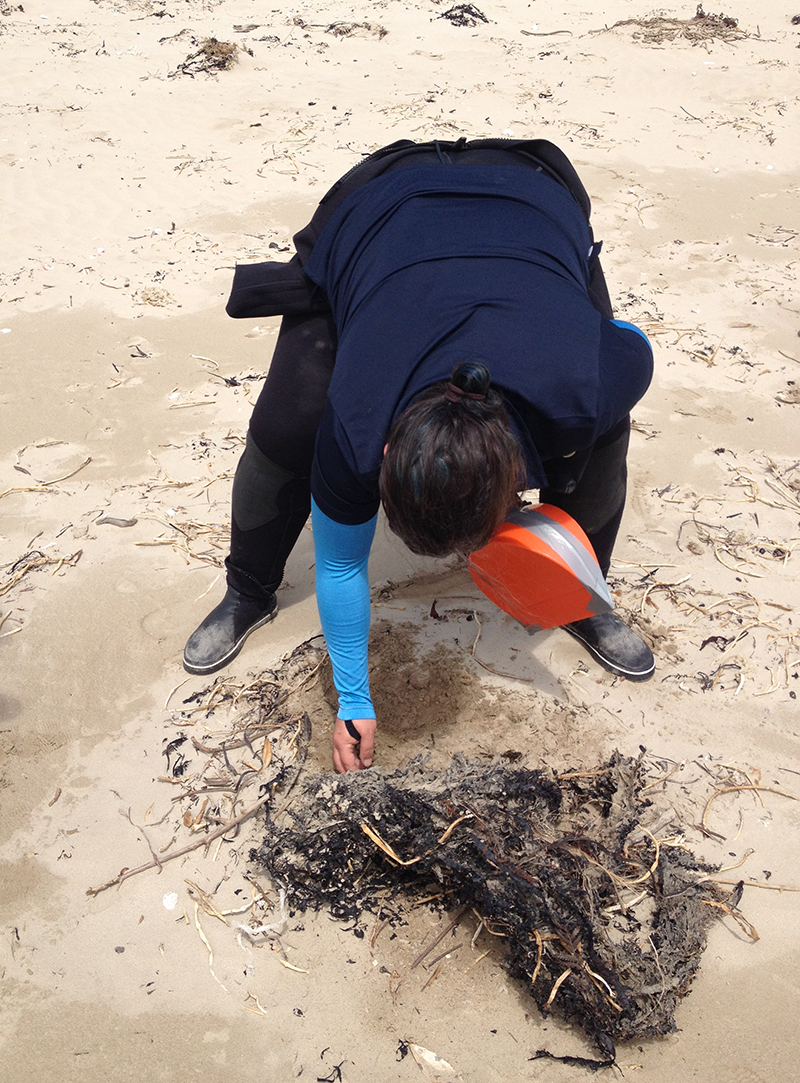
(221, 636)
(614, 645)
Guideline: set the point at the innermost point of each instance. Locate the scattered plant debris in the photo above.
(361, 30)
(154, 295)
(253, 753)
(343, 29)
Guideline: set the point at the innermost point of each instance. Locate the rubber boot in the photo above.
(614, 645)
(221, 636)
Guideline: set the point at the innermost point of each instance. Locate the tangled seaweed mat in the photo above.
(212, 56)
(464, 15)
(602, 921)
(702, 27)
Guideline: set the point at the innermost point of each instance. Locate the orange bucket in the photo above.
(540, 568)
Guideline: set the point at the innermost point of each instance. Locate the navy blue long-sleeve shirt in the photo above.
(425, 267)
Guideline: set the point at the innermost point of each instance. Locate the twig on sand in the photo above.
(43, 486)
(746, 926)
(438, 939)
(736, 789)
(478, 636)
(204, 841)
(204, 938)
(26, 489)
(748, 883)
(36, 559)
(433, 976)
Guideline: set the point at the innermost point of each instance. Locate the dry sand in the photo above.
(130, 189)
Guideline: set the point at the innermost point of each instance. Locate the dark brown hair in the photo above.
(453, 467)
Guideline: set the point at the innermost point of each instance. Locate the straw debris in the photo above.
(33, 560)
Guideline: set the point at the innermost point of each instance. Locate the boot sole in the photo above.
(204, 671)
(607, 664)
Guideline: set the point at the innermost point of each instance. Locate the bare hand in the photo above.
(350, 754)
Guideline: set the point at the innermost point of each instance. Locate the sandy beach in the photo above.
(138, 165)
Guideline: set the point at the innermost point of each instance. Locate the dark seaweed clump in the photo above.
(602, 923)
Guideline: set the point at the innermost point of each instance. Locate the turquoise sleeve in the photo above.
(342, 555)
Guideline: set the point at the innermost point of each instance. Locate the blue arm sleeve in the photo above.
(342, 553)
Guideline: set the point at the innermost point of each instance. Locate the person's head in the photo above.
(452, 467)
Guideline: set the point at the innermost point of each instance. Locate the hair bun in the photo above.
(471, 377)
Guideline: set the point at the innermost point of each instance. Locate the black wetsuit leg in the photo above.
(598, 500)
(271, 490)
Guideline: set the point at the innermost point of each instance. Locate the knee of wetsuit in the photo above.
(600, 493)
(256, 487)
(599, 510)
